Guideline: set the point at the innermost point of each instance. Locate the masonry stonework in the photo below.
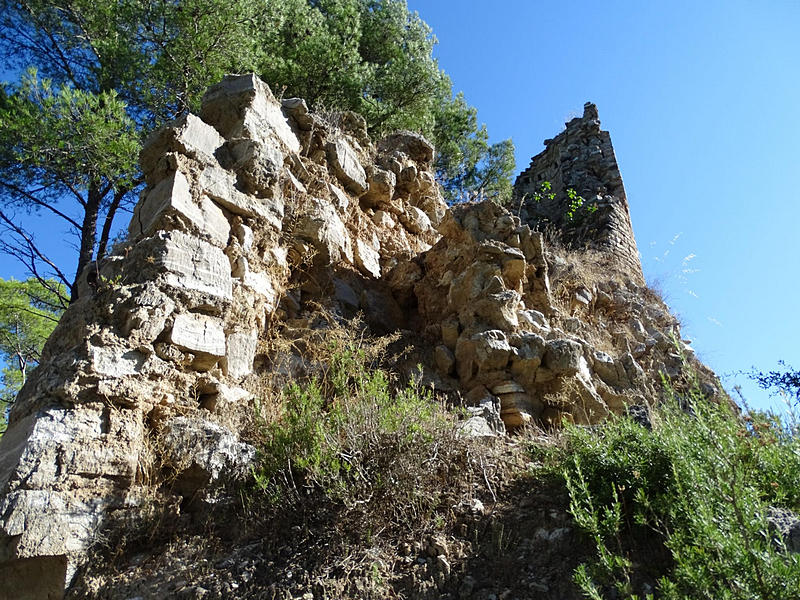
(263, 221)
(582, 158)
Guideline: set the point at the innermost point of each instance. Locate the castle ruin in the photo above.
(254, 214)
(581, 158)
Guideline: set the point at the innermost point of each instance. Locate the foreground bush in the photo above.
(363, 443)
(701, 485)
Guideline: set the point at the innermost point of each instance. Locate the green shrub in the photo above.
(352, 436)
(703, 481)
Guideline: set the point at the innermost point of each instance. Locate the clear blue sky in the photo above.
(701, 99)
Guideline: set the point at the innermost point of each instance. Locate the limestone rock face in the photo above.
(191, 264)
(237, 200)
(202, 453)
(345, 164)
(242, 106)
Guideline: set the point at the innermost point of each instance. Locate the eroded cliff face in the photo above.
(256, 212)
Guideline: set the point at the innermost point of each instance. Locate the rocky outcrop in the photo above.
(253, 213)
(484, 293)
(138, 376)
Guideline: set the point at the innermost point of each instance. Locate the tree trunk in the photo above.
(112, 211)
(88, 235)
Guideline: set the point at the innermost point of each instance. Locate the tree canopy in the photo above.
(28, 313)
(107, 73)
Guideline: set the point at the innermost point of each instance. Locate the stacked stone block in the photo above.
(166, 330)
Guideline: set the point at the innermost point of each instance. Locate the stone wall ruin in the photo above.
(255, 211)
(582, 158)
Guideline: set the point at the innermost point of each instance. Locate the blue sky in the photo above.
(701, 99)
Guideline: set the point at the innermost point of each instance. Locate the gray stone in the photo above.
(240, 352)
(242, 106)
(367, 258)
(415, 220)
(563, 357)
(606, 368)
(582, 297)
(322, 226)
(45, 459)
(381, 310)
(527, 357)
(638, 330)
(145, 320)
(491, 349)
(57, 445)
(507, 387)
(633, 371)
(340, 199)
(261, 284)
(476, 427)
(533, 317)
(188, 135)
(416, 147)
(115, 361)
(346, 166)
(46, 523)
(197, 139)
(345, 294)
(500, 310)
(786, 526)
(383, 219)
(572, 325)
(258, 165)
(172, 198)
(199, 334)
(298, 110)
(380, 183)
(204, 454)
(244, 235)
(220, 185)
(193, 264)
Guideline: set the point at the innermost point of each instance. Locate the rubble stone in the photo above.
(240, 352)
(346, 165)
(200, 334)
(172, 198)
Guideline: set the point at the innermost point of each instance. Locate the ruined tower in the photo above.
(581, 158)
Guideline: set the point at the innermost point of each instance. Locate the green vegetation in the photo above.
(28, 313)
(573, 211)
(576, 202)
(683, 511)
(113, 71)
(349, 435)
